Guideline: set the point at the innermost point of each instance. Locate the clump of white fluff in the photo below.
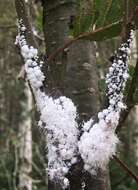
(97, 146)
(30, 55)
(59, 116)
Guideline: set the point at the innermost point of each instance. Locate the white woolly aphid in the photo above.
(97, 146)
(62, 133)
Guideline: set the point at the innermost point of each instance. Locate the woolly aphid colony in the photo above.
(98, 142)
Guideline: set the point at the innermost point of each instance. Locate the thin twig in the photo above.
(90, 34)
(81, 36)
(125, 167)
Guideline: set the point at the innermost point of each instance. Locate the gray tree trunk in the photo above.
(25, 147)
(75, 74)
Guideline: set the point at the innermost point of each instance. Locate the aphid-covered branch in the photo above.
(57, 116)
(98, 143)
(129, 100)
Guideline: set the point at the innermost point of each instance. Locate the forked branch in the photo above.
(58, 116)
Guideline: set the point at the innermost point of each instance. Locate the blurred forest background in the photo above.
(20, 139)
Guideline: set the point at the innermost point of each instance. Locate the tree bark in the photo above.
(75, 73)
(82, 86)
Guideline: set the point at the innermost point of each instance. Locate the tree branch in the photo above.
(86, 35)
(92, 35)
(129, 100)
(23, 15)
(124, 166)
(132, 88)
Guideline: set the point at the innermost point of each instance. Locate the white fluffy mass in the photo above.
(98, 144)
(59, 116)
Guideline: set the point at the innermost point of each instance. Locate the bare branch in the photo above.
(125, 167)
(92, 34)
(81, 36)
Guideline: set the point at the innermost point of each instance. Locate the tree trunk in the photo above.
(25, 148)
(82, 86)
(12, 100)
(75, 74)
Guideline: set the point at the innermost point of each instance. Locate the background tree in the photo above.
(17, 168)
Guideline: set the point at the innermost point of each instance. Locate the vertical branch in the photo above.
(133, 85)
(23, 15)
(129, 99)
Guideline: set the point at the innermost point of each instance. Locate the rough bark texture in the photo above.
(81, 79)
(75, 74)
(57, 15)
